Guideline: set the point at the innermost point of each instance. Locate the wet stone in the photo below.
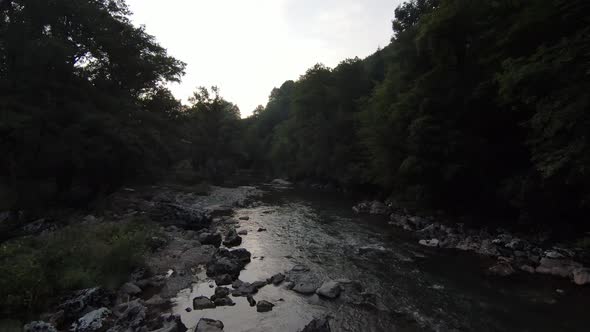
(264, 306)
(209, 325)
(251, 300)
(201, 302)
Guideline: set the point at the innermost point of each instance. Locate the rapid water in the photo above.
(417, 288)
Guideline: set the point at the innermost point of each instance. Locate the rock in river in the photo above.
(582, 276)
(224, 279)
(209, 325)
(39, 327)
(318, 325)
(277, 279)
(213, 239)
(329, 289)
(232, 239)
(201, 302)
(429, 243)
(97, 320)
(251, 300)
(264, 306)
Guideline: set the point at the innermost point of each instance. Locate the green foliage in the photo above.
(78, 256)
(474, 106)
(83, 105)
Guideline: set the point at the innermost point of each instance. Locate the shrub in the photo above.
(35, 269)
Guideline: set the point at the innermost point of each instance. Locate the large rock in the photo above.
(130, 289)
(502, 269)
(170, 323)
(84, 301)
(378, 208)
(374, 207)
(130, 315)
(277, 279)
(213, 239)
(39, 327)
(232, 239)
(429, 243)
(318, 325)
(264, 306)
(181, 216)
(228, 262)
(97, 320)
(224, 265)
(581, 276)
(201, 302)
(224, 279)
(209, 325)
(281, 182)
(329, 289)
(557, 267)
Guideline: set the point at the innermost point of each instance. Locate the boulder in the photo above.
(329, 289)
(244, 289)
(264, 306)
(232, 239)
(581, 276)
(378, 208)
(223, 301)
(224, 279)
(241, 254)
(209, 325)
(318, 325)
(502, 269)
(429, 243)
(303, 281)
(213, 239)
(201, 302)
(261, 229)
(97, 320)
(557, 267)
(221, 292)
(281, 182)
(130, 315)
(251, 300)
(244, 218)
(39, 327)
(528, 269)
(277, 279)
(224, 265)
(180, 216)
(243, 232)
(84, 300)
(156, 300)
(130, 289)
(170, 323)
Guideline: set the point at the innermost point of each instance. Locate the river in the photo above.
(417, 288)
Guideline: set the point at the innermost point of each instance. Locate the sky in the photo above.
(247, 48)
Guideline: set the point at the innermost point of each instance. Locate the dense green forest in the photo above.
(474, 107)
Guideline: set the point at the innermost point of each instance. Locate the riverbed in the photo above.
(415, 288)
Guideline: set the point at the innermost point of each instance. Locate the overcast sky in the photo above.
(248, 47)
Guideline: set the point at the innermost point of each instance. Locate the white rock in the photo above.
(92, 321)
(329, 289)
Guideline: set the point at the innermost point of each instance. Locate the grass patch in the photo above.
(35, 269)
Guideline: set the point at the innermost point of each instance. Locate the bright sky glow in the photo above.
(248, 47)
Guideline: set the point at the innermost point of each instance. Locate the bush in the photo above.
(35, 269)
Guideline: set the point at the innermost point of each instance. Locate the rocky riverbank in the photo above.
(197, 233)
(530, 254)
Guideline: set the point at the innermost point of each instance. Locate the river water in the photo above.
(417, 288)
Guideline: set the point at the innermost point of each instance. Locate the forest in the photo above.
(477, 108)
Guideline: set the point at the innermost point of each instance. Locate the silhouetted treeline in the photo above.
(475, 106)
(85, 108)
